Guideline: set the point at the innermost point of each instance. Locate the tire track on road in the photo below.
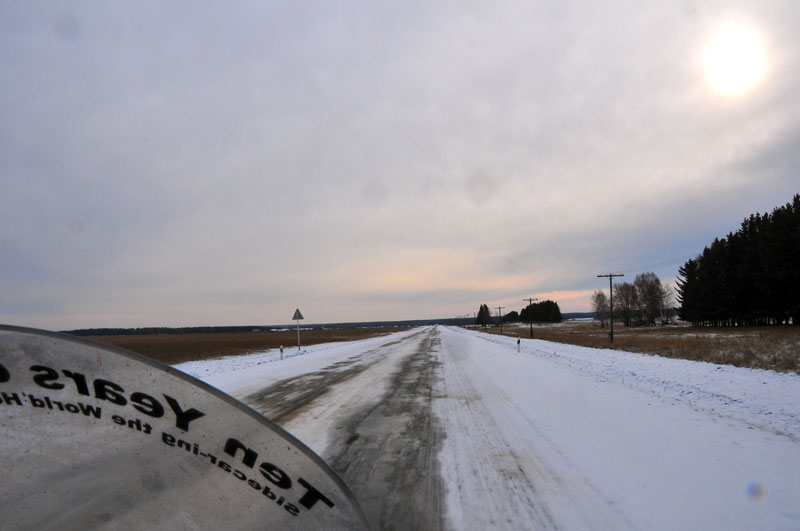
(286, 399)
(508, 452)
(387, 452)
(488, 464)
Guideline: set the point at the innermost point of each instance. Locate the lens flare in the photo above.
(755, 491)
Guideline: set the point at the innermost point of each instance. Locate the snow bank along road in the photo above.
(445, 428)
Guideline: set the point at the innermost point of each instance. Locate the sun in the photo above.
(735, 60)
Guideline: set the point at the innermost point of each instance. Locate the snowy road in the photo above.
(445, 428)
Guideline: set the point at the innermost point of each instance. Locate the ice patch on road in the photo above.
(239, 375)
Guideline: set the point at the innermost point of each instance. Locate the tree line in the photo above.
(154, 330)
(538, 312)
(541, 312)
(751, 277)
(645, 302)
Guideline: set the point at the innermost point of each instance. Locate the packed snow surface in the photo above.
(447, 428)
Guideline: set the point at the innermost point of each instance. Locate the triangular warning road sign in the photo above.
(297, 315)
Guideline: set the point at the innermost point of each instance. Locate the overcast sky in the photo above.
(206, 163)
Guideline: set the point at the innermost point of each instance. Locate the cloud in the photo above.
(166, 165)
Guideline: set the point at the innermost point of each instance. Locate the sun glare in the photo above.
(735, 60)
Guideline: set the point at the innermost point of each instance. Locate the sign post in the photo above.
(297, 316)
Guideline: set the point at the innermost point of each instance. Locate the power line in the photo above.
(665, 262)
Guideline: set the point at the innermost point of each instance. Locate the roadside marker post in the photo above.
(297, 316)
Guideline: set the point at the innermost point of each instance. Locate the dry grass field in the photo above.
(767, 347)
(177, 348)
(770, 347)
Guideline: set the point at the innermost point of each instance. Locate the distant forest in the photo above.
(539, 312)
(153, 330)
(750, 277)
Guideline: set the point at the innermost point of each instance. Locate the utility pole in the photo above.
(500, 317)
(530, 312)
(611, 301)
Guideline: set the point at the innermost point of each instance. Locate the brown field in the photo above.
(177, 348)
(763, 347)
(769, 347)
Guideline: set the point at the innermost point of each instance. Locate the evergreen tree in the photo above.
(541, 312)
(687, 287)
(750, 277)
(484, 317)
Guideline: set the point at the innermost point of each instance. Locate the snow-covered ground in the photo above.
(442, 427)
